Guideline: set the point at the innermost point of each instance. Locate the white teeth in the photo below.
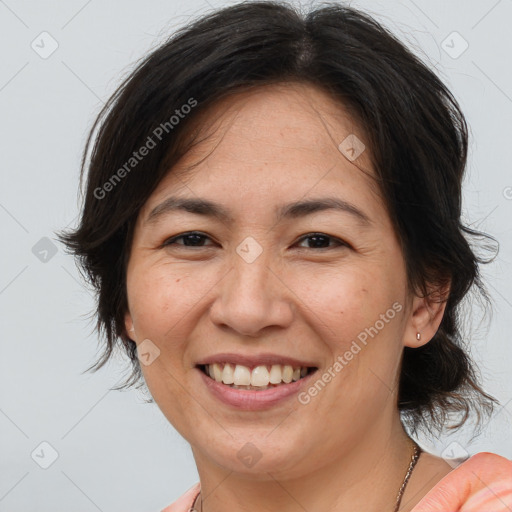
(217, 372)
(227, 374)
(261, 376)
(275, 374)
(242, 376)
(287, 373)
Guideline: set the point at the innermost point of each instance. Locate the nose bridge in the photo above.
(250, 285)
(252, 271)
(251, 297)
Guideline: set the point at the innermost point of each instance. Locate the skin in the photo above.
(266, 147)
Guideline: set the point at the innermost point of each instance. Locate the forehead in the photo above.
(302, 116)
(284, 139)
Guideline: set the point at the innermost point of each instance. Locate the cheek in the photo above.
(355, 309)
(346, 298)
(158, 297)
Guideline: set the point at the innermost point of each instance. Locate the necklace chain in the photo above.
(414, 460)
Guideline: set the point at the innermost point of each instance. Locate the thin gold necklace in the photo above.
(414, 460)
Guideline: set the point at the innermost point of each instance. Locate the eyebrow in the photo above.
(291, 210)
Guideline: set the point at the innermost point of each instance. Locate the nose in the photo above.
(252, 297)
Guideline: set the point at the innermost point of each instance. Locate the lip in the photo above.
(254, 400)
(251, 361)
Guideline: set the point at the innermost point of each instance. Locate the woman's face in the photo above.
(253, 281)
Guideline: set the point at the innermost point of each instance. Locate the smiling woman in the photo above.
(288, 262)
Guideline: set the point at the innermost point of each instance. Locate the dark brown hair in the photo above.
(416, 131)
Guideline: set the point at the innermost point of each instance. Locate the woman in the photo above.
(272, 222)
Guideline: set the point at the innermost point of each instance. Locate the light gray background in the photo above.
(114, 452)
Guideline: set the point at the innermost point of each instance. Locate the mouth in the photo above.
(256, 377)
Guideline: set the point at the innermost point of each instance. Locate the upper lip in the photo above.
(254, 360)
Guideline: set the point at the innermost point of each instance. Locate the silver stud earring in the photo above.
(418, 336)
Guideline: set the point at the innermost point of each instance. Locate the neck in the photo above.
(366, 476)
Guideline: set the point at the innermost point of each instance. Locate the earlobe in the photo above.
(128, 325)
(425, 318)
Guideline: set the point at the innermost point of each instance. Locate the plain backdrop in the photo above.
(68, 442)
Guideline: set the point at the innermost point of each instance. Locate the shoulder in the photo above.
(185, 501)
(488, 462)
(483, 482)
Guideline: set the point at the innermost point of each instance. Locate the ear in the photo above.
(426, 316)
(128, 325)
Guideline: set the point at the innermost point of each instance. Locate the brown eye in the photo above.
(321, 241)
(190, 239)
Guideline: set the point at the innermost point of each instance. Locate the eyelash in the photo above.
(339, 242)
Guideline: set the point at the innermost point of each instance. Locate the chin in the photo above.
(255, 459)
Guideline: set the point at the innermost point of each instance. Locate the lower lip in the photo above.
(253, 400)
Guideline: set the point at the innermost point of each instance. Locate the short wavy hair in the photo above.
(414, 127)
